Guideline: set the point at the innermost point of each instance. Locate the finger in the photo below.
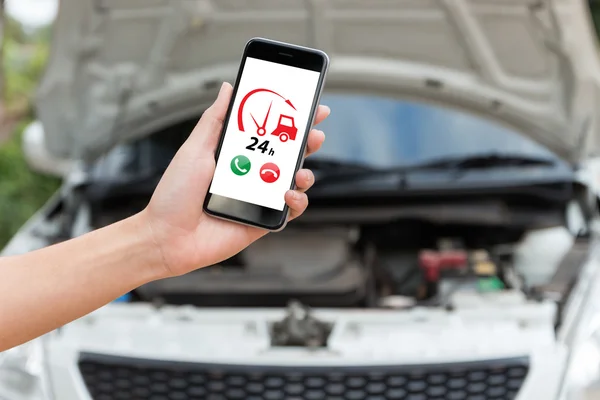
(314, 142)
(322, 113)
(207, 131)
(304, 179)
(297, 202)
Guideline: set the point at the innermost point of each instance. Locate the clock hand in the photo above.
(253, 119)
(267, 117)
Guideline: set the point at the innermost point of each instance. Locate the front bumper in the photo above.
(138, 352)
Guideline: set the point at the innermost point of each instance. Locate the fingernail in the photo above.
(222, 89)
(328, 109)
(294, 195)
(309, 177)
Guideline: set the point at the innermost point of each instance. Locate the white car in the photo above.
(450, 250)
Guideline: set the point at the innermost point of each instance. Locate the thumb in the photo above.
(206, 133)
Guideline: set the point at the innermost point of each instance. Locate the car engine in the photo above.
(400, 266)
(317, 267)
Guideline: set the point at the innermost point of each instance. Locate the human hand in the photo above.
(186, 237)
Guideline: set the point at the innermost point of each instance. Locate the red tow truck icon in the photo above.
(285, 131)
(286, 127)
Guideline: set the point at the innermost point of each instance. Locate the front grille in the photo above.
(118, 378)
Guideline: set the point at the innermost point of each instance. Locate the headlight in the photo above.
(21, 373)
(582, 380)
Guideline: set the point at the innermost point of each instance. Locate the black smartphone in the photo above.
(263, 143)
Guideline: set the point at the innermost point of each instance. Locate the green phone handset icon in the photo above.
(240, 165)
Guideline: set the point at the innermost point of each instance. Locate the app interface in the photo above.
(264, 135)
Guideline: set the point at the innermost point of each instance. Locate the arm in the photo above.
(50, 287)
(45, 289)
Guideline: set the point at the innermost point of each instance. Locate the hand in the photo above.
(185, 236)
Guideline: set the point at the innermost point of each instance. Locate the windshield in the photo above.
(371, 131)
(386, 132)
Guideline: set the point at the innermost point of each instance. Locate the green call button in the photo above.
(240, 165)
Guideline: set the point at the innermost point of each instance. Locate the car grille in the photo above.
(118, 378)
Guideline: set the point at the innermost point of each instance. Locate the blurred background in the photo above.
(365, 130)
(26, 40)
(25, 47)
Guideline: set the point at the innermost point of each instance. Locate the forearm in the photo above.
(45, 289)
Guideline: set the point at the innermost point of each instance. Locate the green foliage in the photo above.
(23, 64)
(14, 31)
(22, 191)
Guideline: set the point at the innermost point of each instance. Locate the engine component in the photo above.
(397, 302)
(565, 276)
(453, 270)
(300, 328)
(318, 268)
(482, 263)
(491, 284)
(438, 264)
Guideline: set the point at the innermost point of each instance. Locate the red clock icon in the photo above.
(286, 127)
(269, 172)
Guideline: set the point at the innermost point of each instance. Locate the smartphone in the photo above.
(263, 143)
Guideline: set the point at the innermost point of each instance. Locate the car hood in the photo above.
(122, 69)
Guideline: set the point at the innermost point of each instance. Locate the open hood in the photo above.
(122, 69)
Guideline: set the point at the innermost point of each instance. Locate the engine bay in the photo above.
(427, 250)
(395, 266)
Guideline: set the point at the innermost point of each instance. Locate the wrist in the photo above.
(153, 257)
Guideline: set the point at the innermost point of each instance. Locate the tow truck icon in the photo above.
(286, 131)
(286, 127)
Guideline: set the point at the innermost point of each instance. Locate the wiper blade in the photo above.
(481, 161)
(451, 164)
(331, 165)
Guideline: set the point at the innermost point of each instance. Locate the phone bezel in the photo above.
(285, 54)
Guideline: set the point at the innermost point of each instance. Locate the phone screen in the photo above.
(265, 132)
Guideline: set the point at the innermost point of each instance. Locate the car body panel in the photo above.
(240, 337)
(124, 69)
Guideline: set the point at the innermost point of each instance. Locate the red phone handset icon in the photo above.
(269, 172)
